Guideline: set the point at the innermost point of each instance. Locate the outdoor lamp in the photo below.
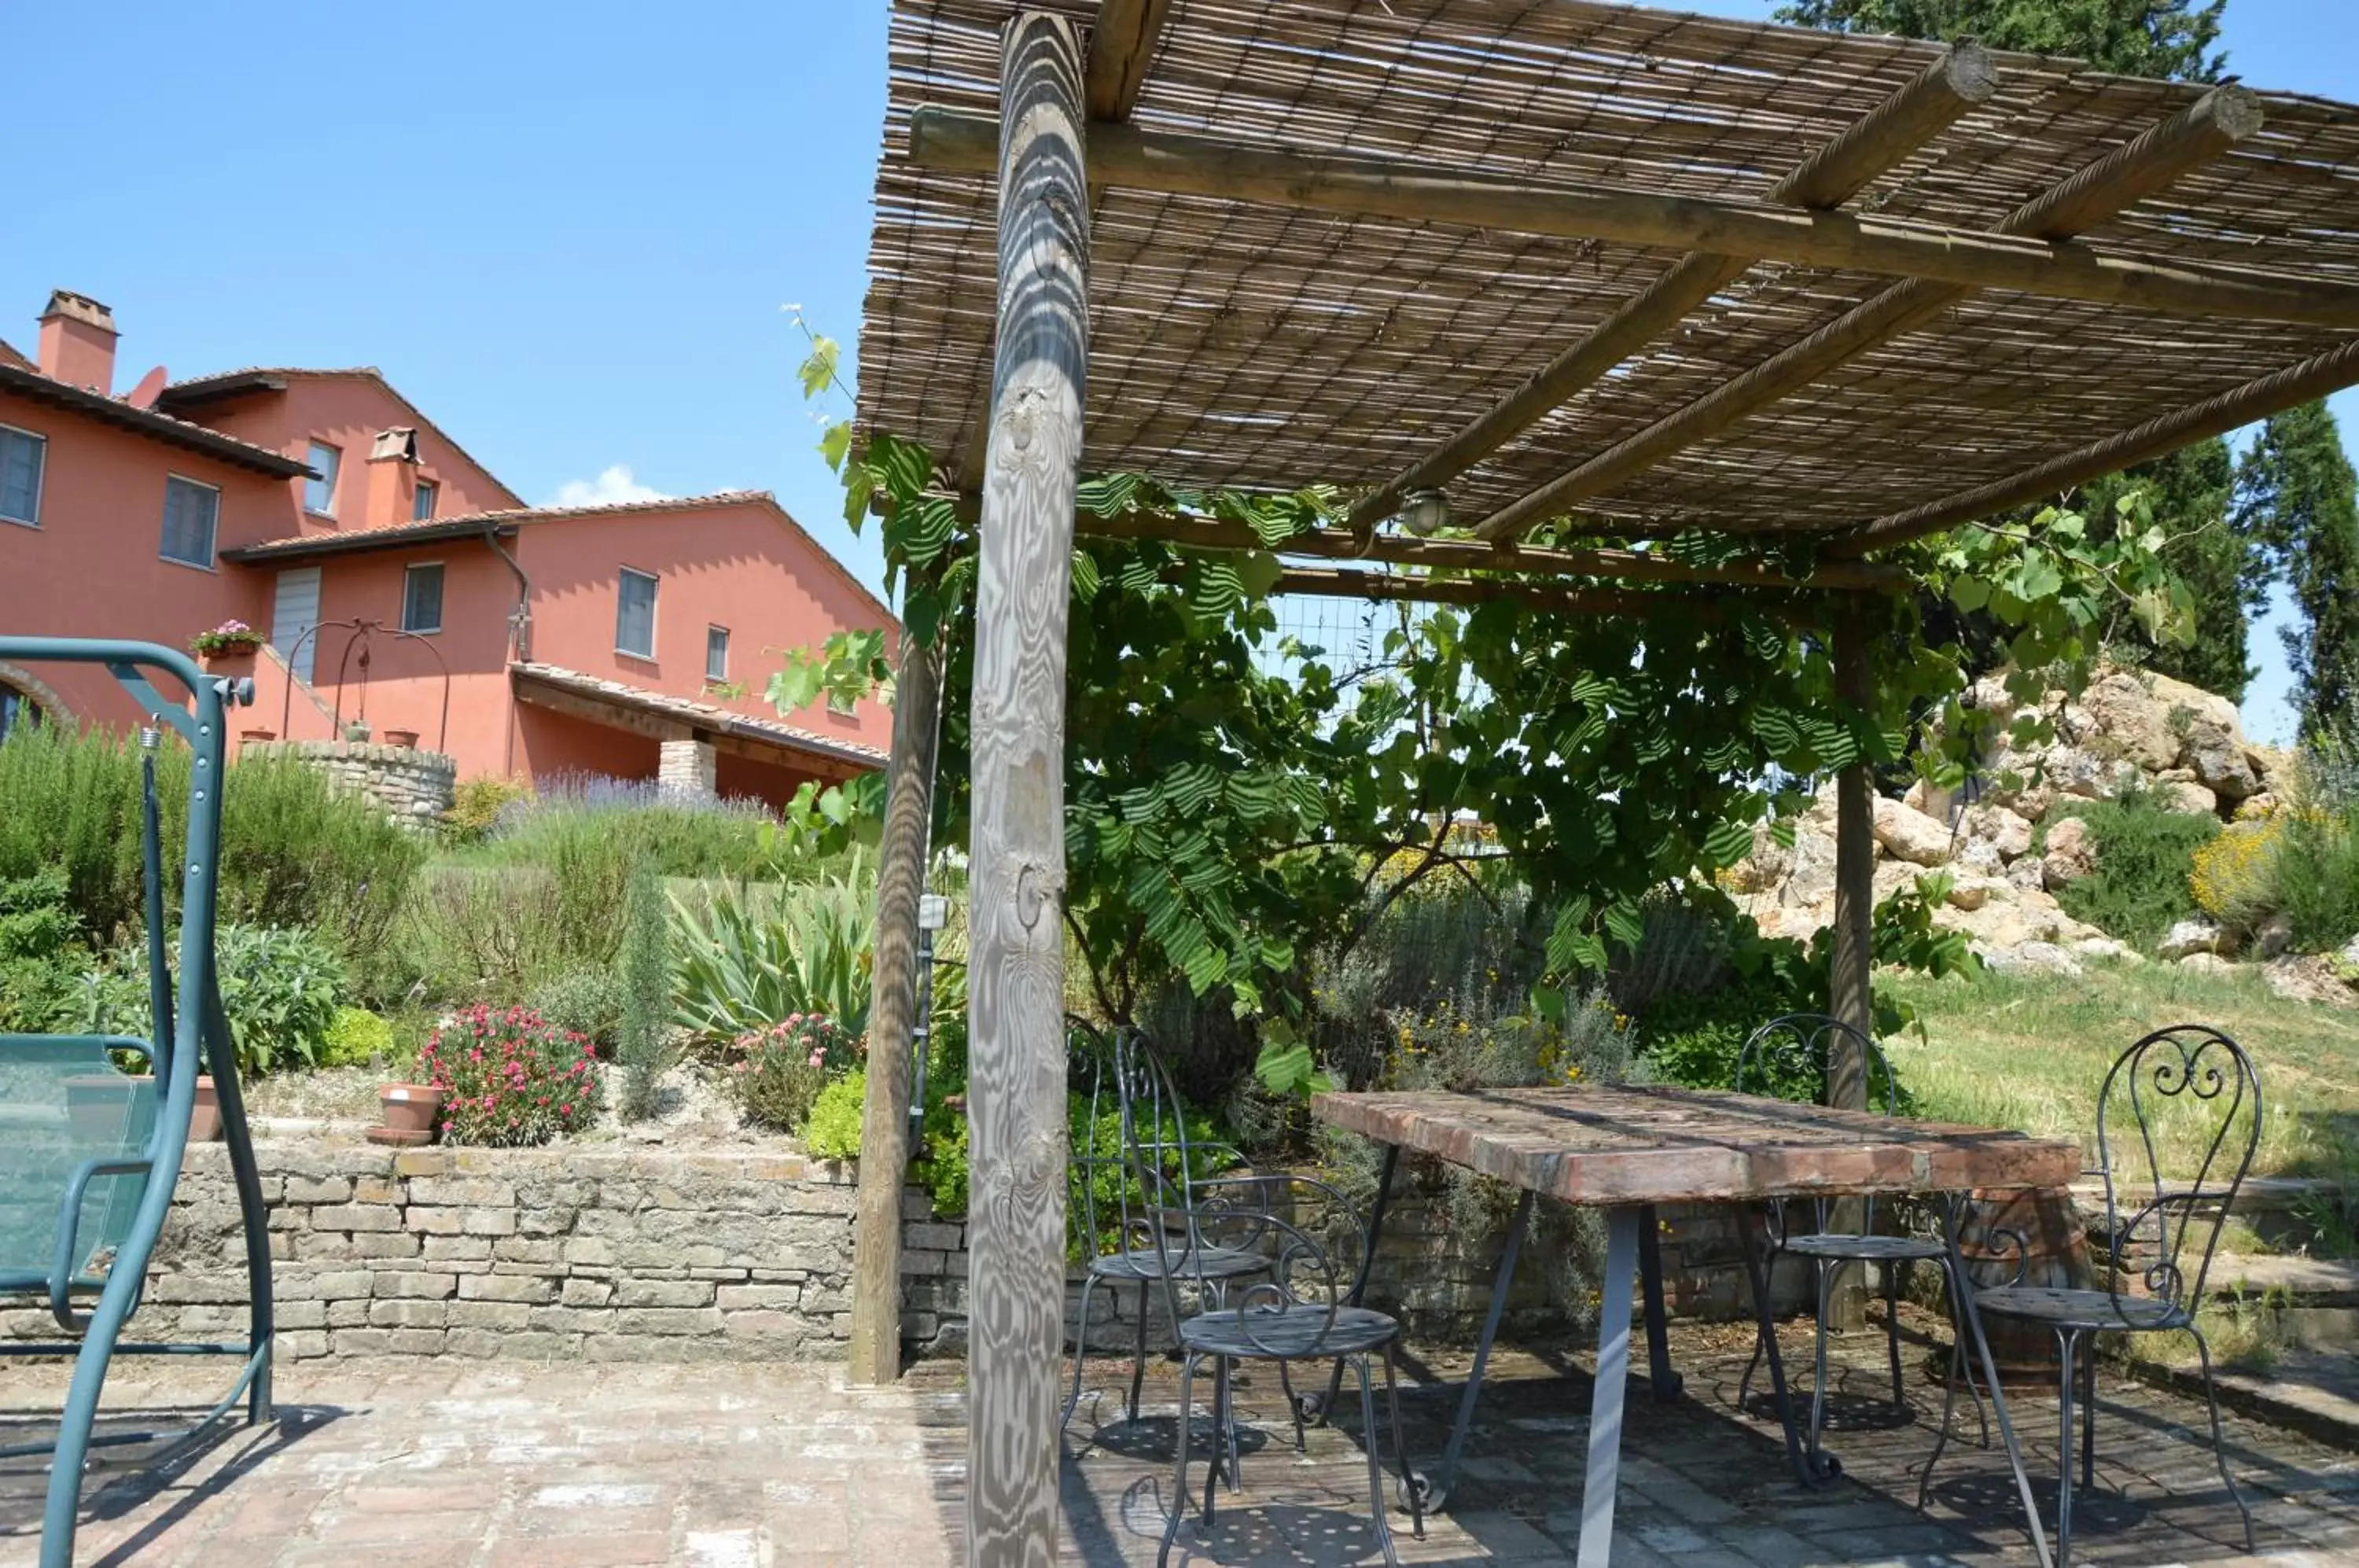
(1423, 512)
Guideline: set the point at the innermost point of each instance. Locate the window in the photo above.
(421, 597)
(190, 510)
(319, 494)
(23, 455)
(15, 709)
(421, 504)
(716, 653)
(634, 615)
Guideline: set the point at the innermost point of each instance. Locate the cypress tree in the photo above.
(2295, 498)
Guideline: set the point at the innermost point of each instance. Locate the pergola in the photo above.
(1502, 262)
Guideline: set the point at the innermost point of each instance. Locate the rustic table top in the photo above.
(1652, 1144)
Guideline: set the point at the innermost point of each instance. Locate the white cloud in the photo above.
(613, 487)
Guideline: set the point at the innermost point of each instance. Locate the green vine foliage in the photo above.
(1230, 798)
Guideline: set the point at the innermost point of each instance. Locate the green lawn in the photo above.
(2031, 1052)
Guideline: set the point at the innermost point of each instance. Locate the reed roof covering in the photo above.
(1258, 345)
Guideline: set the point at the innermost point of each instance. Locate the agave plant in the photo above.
(752, 956)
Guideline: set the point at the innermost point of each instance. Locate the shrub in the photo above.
(41, 956)
(2144, 861)
(294, 852)
(280, 987)
(835, 1119)
(621, 824)
(587, 1002)
(357, 1038)
(781, 1070)
(510, 1078)
(2317, 877)
(2233, 875)
(644, 1045)
(756, 955)
(475, 933)
(477, 804)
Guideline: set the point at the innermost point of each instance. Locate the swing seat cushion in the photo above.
(65, 1104)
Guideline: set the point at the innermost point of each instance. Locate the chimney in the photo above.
(78, 341)
(392, 478)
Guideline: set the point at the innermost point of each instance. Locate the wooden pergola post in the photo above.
(1016, 1086)
(893, 1016)
(1850, 986)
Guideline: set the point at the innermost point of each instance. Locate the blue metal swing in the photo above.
(89, 1153)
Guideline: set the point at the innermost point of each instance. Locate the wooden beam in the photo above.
(1634, 566)
(2193, 137)
(1121, 46)
(1827, 177)
(2240, 406)
(614, 716)
(1850, 984)
(1016, 975)
(1393, 587)
(1391, 188)
(875, 1348)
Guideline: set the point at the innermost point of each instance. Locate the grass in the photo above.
(2031, 1051)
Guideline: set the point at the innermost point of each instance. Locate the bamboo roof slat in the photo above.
(1242, 344)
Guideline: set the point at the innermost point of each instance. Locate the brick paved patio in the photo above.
(501, 1466)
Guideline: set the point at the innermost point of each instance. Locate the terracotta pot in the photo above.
(258, 735)
(407, 739)
(231, 662)
(410, 1107)
(98, 1103)
(204, 1113)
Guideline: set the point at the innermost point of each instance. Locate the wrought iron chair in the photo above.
(1120, 1096)
(1309, 1239)
(2155, 1258)
(1801, 1045)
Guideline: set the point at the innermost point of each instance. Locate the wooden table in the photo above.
(1628, 1149)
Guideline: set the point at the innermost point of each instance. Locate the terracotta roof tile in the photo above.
(31, 383)
(391, 536)
(700, 714)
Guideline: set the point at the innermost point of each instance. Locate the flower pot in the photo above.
(257, 736)
(409, 1107)
(408, 739)
(232, 663)
(204, 1113)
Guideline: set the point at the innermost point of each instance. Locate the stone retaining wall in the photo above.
(414, 786)
(544, 1254)
(612, 1253)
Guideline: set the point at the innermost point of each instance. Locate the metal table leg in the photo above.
(1971, 1318)
(1438, 1485)
(1604, 1474)
(1367, 1266)
(1667, 1382)
(1812, 1470)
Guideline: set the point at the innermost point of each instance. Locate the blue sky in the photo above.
(568, 242)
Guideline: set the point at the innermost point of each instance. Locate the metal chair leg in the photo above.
(1179, 1477)
(1819, 1385)
(2066, 1341)
(1081, 1352)
(2089, 1417)
(1382, 1526)
(2219, 1444)
(1400, 1448)
(1745, 1384)
(1293, 1406)
(1220, 1433)
(1139, 1351)
(1893, 1273)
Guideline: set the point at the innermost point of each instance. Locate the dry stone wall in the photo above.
(416, 787)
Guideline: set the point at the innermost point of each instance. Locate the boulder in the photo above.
(1973, 892)
(2349, 956)
(2199, 705)
(2070, 852)
(1979, 857)
(2207, 963)
(2255, 808)
(2275, 936)
(2192, 798)
(2069, 770)
(2029, 958)
(2120, 707)
(1911, 835)
(2006, 831)
(1810, 873)
(1929, 799)
(2309, 978)
(2106, 947)
(2274, 766)
(2189, 937)
(2217, 754)
(2029, 872)
(1763, 867)
(1892, 877)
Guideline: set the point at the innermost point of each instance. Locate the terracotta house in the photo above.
(400, 583)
